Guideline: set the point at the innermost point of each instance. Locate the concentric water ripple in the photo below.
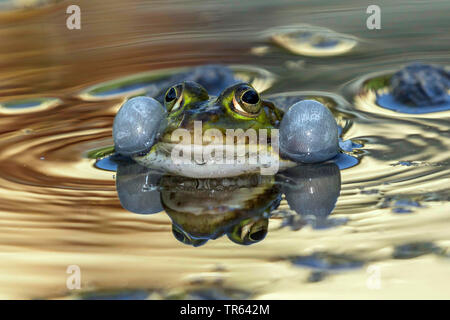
(47, 157)
(308, 40)
(372, 93)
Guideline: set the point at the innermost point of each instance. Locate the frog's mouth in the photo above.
(213, 161)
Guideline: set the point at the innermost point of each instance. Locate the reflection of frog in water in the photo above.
(203, 209)
(240, 207)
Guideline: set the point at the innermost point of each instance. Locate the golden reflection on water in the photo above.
(57, 209)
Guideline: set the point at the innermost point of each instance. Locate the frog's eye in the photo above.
(171, 95)
(249, 231)
(173, 98)
(247, 102)
(257, 235)
(182, 236)
(184, 93)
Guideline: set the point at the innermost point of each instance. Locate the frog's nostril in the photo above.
(137, 125)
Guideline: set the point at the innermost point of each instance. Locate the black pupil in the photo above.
(171, 95)
(178, 235)
(258, 235)
(250, 97)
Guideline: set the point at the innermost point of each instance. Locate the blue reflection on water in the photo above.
(388, 101)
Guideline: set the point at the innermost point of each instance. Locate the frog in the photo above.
(190, 119)
(237, 107)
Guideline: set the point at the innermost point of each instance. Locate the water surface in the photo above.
(57, 208)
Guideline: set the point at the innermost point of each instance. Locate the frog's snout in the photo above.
(137, 125)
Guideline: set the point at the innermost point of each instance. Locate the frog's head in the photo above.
(245, 133)
(237, 107)
(238, 119)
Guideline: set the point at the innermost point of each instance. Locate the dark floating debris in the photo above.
(405, 206)
(415, 89)
(214, 291)
(206, 292)
(421, 84)
(403, 203)
(414, 250)
(408, 163)
(316, 276)
(117, 295)
(321, 261)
